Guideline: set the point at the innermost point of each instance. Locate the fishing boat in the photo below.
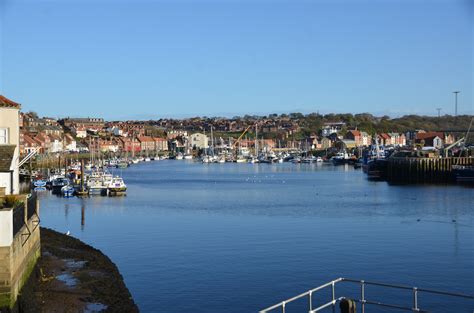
(58, 183)
(67, 191)
(147, 159)
(95, 187)
(340, 158)
(463, 173)
(376, 168)
(188, 157)
(117, 186)
(179, 156)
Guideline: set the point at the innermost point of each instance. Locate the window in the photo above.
(4, 136)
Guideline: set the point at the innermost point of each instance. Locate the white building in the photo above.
(79, 132)
(9, 146)
(332, 128)
(198, 141)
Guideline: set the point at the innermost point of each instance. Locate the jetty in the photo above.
(424, 170)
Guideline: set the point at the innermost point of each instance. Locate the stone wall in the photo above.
(17, 262)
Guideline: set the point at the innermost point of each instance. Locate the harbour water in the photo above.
(241, 237)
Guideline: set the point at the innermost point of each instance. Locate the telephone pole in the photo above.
(439, 112)
(456, 102)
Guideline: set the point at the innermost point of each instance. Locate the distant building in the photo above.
(146, 143)
(331, 128)
(433, 139)
(198, 141)
(359, 137)
(173, 134)
(79, 131)
(161, 144)
(89, 123)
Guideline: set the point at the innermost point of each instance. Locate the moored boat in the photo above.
(117, 186)
(463, 173)
(39, 183)
(67, 191)
(58, 183)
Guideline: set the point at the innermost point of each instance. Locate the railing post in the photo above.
(310, 300)
(333, 293)
(415, 299)
(362, 295)
(283, 307)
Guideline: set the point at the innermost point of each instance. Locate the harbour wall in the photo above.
(423, 170)
(18, 259)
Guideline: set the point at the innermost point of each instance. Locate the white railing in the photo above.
(363, 300)
(28, 156)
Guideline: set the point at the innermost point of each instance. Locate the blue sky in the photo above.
(149, 59)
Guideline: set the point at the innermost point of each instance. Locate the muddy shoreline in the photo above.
(72, 276)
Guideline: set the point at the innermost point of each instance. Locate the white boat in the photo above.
(340, 158)
(147, 159)
(117, 186)
(188, 156)
(67, 191)
(253, 160)
(241, 159)
(135, 160)
(95, 185)
(179, 156)
(309, 159)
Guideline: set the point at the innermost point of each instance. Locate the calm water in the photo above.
(240, 237)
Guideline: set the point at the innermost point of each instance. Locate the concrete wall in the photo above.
(10, 118)
(17, 263)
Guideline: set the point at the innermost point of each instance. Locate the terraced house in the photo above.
(19, 221)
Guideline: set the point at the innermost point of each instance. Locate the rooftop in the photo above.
(7, 103)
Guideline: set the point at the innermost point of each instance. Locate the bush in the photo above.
(10, 201)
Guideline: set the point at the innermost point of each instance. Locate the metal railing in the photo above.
(363, 300)
(18, 217)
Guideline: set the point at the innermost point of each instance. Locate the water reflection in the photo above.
(221, 233)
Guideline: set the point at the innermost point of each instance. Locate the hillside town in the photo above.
(47, 135)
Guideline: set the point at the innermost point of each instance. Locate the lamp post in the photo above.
(456, 102)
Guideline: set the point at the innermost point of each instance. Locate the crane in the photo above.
(240, 137)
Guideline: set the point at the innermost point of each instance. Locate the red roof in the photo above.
(145, 139)
(420, 136)
(7, 103)
(354, 132)
(159, 139)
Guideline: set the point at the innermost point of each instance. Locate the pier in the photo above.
(423, 170)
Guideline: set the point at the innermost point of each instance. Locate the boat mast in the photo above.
(256, 140)
(212, 142)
